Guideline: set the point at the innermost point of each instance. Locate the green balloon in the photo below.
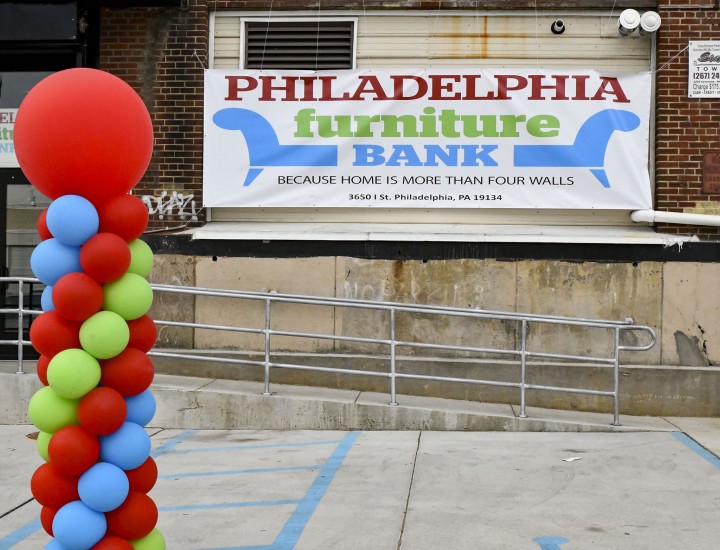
(104, 335)
(141, 258)
(72, 373)
(152, 541)
(130, 296)
(50, 412)
(43, 440)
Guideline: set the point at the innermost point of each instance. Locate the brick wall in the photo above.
(160, 52)
(685, 127)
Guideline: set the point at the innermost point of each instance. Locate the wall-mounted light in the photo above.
(628, 21)
(649, 22)
(558, 26)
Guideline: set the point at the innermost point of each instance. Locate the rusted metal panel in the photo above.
(711, 172)
(436, 4)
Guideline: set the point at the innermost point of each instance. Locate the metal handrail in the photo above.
(520, 354)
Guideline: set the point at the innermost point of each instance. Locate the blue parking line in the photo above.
(248, 504)
(289, 535)
(248, 471)
(170, 444)
(698, 449)
(19, 535)
(293, 528)
(550, 543)
(264, 446)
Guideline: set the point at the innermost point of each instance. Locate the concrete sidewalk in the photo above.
(413, 490)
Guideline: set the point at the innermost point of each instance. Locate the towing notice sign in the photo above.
(704, 68)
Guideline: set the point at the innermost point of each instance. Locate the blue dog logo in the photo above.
(264, 148)
(588, 150)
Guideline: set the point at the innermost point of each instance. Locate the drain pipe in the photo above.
(655, 216)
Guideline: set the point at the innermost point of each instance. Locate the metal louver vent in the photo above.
(299, 45)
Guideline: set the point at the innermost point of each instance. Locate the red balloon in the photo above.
(42, 227)
(143, 333)
(47, 515)
(77, 296)
(42, 367)
(105, 154)
(51, 333)
(134, 518)
(112, 543)
(124, 215)
(105, 257)
(53, 489)
(102, 411)
(72, 450)
(130, 373)
(142, 479)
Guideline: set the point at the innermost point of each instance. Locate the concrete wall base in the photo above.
(644, 390)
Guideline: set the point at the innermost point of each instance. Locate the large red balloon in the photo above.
(105, 257)
(134, 518)
(51, 488)
(112, 543)
(124, 215)
(42, 227)
(143, 333)
(42, 366)
(47, 515)
(142, 479)
(102, 411)
(130, 373)
(51, 333)
(83, 132)
(77, 296)
(72, 450)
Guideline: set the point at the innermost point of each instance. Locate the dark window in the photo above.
(299, 45)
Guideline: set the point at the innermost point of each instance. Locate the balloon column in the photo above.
(84, 138)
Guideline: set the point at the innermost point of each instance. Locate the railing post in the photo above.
(616, 380)
(523, 367)
(20, 319)
(393, 392)
(267, 347)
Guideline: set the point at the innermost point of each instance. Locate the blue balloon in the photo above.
(140, 408)
(103, 487)
(77, 527)
(46, 299)
(52, 259)
(127, 448)
(72, 219)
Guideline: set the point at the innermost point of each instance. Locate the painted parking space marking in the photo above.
(293, 528)
(170, 444)
(551, 543)
(698, 449)
(187, 507)
(19, 535)
(245, 471)
(261, 446)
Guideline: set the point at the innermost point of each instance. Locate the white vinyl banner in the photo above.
(501, 138)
